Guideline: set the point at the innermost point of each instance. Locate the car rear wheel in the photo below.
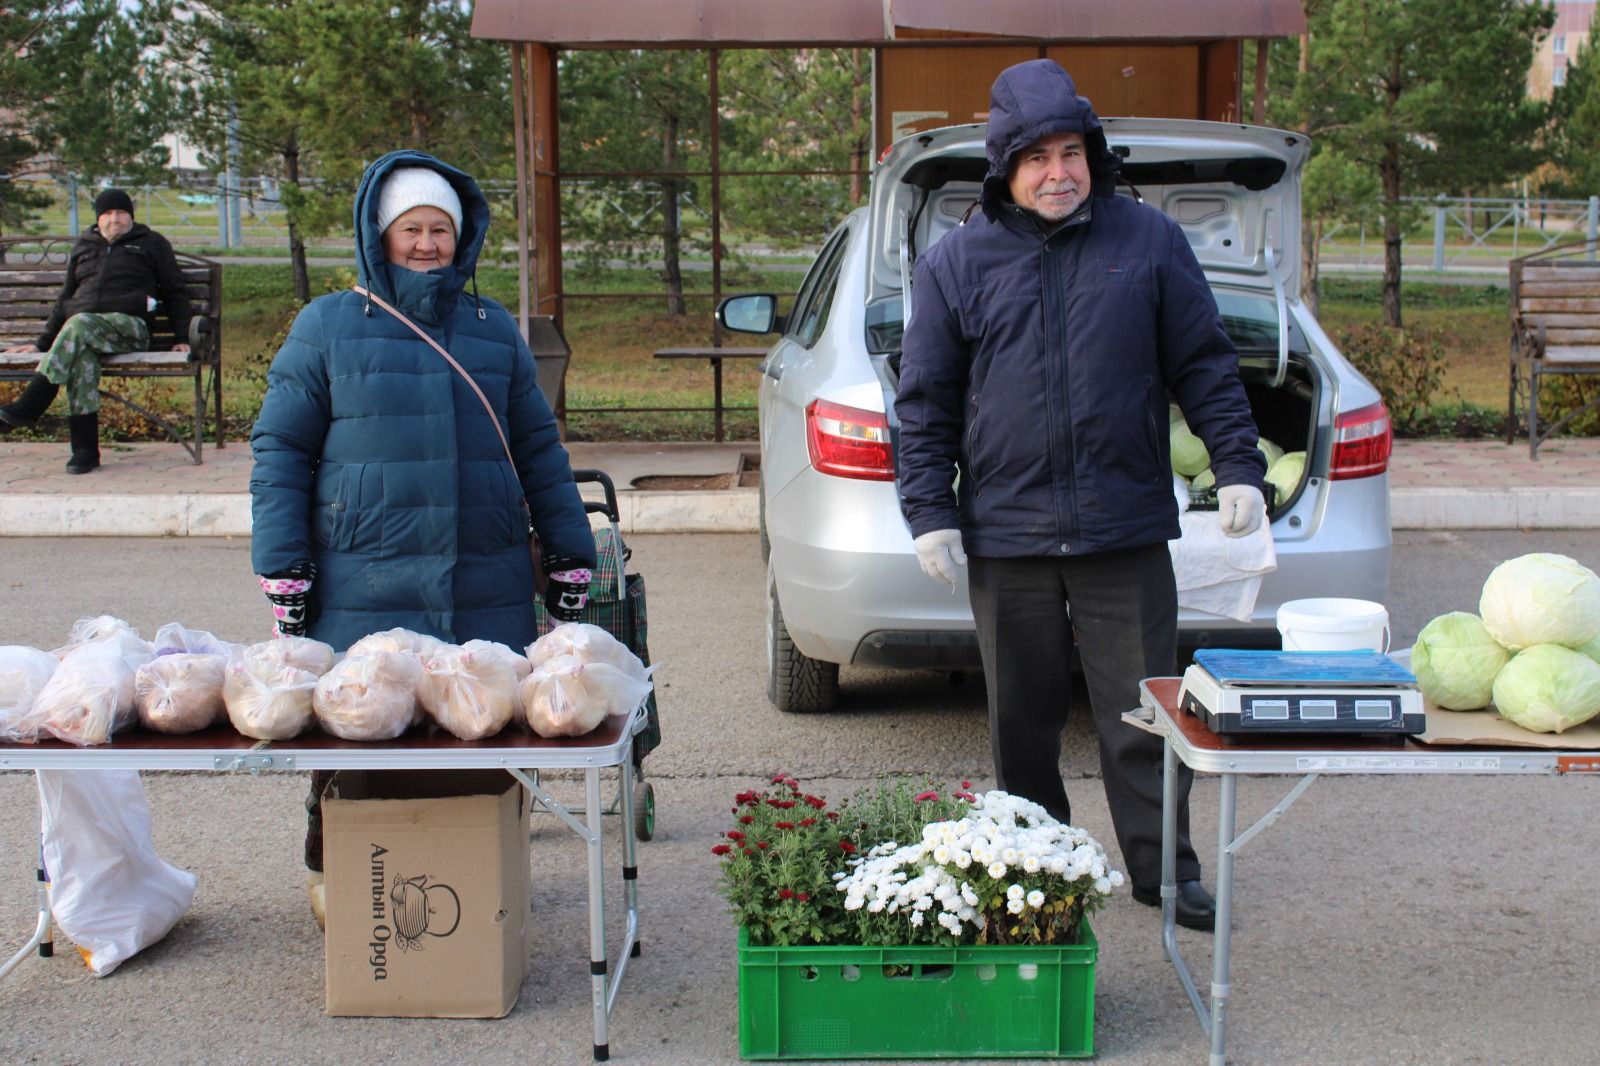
(795, 683)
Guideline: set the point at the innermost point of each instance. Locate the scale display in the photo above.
(1351, 692)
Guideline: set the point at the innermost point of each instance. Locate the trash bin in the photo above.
(551, 354)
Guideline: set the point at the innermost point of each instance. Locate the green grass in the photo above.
(1473, 321)
(612, 364)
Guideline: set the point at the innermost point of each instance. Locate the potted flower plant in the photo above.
(910, 921)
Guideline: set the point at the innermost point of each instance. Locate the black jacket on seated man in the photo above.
(120, 277)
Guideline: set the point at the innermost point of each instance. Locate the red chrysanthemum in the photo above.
(721, 849)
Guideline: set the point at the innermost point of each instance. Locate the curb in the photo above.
(726, 511)
(228, 514)
(1525, 508)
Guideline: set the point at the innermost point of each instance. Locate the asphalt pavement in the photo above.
(1403, 920)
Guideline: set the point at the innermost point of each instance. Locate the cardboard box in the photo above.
(427, 889)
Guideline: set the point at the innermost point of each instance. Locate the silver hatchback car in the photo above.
(843, 584)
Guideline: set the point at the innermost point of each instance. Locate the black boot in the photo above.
(30, 405)
(85, 433)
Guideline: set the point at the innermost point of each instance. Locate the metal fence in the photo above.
(1469, 234)
(1454, 234)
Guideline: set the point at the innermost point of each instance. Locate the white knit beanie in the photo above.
(408, 187)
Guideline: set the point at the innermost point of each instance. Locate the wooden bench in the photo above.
(1555, 329)
(715, 356)
(32, 271)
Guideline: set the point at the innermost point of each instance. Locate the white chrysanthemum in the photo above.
(875, 907)
(968, 895)
(1015, 892)
(962, 860)
(941, 854)
(1102, 885)
(916, 917)
(997, 870)
(1009, 856)
(1015, 906)
(1036, 899)
(1030, 864)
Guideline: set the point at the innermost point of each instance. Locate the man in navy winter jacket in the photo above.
(1047, 335)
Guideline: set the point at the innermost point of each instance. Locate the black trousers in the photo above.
(1124, 619)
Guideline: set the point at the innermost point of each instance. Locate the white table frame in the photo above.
(223, 750)
(1187, 740)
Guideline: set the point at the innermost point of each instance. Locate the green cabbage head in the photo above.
(1285, 473)
(1189, 455)
(1542, 598)
(1456, 660)
(1205, 479)
(1548, 688)
(1270, 450)
(1591, 649)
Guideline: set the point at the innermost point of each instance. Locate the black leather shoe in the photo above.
(1196, 909)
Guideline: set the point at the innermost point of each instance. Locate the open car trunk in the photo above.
(1234, 189)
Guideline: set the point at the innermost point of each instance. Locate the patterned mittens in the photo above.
(289, 592)
(568, 588)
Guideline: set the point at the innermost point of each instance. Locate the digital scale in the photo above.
(1301, 692)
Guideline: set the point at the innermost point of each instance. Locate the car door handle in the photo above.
(772, 370)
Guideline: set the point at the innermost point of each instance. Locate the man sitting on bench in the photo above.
(118, 271)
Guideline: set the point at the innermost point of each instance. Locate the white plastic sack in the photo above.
(1216, 573)
(518, 661)
(24, 672)
(90, 696)
(369, 697)
(587, 644)
(566, 697)
(471, 690)
(267, 700)
(110, 892)
(397, 640)
(90, 630)
(174, 638)
(302, 653)
(180, 693)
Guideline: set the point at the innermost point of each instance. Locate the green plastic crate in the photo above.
(936, 1002)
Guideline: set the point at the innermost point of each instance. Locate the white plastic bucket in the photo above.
(1334, 624)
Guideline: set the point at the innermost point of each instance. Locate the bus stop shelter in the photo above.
(932, 64)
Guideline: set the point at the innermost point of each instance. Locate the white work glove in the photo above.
(940, 553)
(1241, 509)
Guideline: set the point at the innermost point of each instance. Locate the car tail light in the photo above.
(1362, 441)
(849, 442)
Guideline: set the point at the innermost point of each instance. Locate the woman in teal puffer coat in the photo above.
(381, 494)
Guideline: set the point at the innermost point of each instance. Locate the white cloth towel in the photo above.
(1216, 573)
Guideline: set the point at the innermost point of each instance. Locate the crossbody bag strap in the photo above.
(494, 419)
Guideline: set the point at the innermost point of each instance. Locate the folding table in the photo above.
(1188, 740)
(517, 751)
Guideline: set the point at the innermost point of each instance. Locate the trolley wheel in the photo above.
(644, 812)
